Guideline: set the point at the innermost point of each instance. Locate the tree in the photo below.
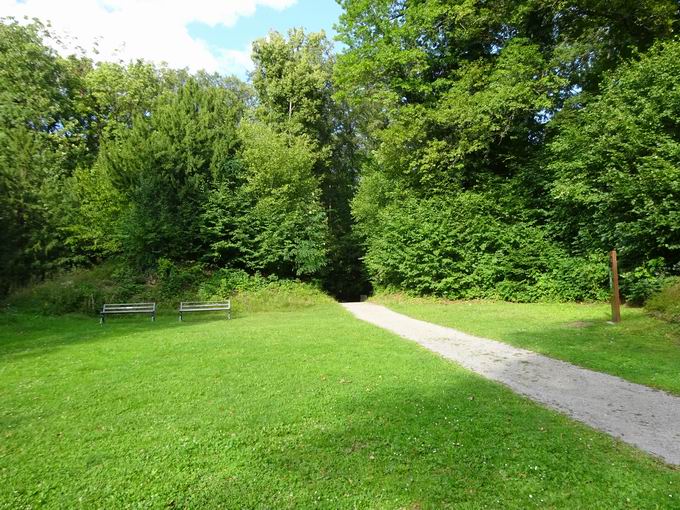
(463, 89)
(165, 165)
(40, 143)
(460, 98)
(616, 163)
(285, 230)
(293, 78)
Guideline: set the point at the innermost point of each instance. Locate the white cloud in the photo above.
(236, 61)
(154, 30)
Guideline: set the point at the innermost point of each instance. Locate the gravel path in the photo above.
(636, 414)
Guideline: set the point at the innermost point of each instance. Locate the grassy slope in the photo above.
(284, 410)
(640, 348)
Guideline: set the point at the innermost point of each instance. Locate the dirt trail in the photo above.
(636, 414)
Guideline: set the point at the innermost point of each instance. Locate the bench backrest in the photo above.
(129, 308)
(196, 306)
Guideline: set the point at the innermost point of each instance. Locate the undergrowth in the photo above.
(666, 303)
(85, 290)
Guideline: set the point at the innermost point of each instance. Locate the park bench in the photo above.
(202, 306)
(119, 308)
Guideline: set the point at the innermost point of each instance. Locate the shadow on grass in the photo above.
(448, 445)
(387, 430)
(23, 335)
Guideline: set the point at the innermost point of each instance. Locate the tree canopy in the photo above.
(459, 148)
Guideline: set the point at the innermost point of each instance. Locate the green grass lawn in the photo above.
(640, 348)
(298, 409)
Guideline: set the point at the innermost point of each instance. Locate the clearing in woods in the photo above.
(288, 410)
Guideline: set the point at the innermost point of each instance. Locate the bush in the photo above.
(82, 291)
(665, 304)
(225, 282)
(253, 293)
(468, 247)
(177, 281)
(642, 282)
(85, 290)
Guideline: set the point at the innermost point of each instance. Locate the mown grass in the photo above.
(640, 348)
(300, 409)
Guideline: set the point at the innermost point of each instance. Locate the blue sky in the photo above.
(313, 15)
(199, 34)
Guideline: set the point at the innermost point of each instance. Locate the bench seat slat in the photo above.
(205, 306)
(204, 309)
(127, 308)
(127, 311)
(123, 310)
(130, 304)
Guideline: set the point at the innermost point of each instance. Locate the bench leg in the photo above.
(228, 314)
(180, 316)
(101, 319)
(153, 317)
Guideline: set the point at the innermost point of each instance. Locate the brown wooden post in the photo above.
(616, 298)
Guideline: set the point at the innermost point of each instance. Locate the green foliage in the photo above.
(82, 291)
(617, 163)
(459, 97)
(165, 165)
(665, 304)
(255, 293)
(470, 247)
(85, 290)
(407, 50)
(503, 147)
(293, 80)
(285, 231)
(39, 139)
(175, 281)
(292, 77)
(35, 84)
(643, 281)
(94, 205)
(118, 94)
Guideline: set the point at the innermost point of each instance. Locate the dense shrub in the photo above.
(468, 247)
(81, 291)
(175, 280)
(643, 281)
(616, 163)
(665, 304)
(84, 290)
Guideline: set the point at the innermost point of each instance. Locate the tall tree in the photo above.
(284, 231)
(293, 78)
(40, 144)
(461, 97)
(165, 165)
(465, 87)
(616, 163)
